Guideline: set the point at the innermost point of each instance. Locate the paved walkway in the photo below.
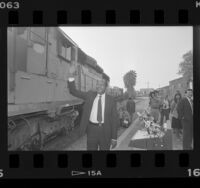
(124, 139)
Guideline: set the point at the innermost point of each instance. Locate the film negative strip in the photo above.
(45, 43)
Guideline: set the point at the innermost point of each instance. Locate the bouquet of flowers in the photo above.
(153, 129)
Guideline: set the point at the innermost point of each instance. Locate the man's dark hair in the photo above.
(175, 100)
(151, 93)
(189, 89)
(106, 83)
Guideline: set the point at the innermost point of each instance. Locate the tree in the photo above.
(186, 67)
(130, 82)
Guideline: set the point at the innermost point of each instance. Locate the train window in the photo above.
(85, 82)
(10, 29)
(64, 51)
(39, 31)
(38, 35)
(68, 53)
(21, 30)
(73, 54)
(38, 48)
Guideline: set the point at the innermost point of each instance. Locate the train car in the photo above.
(89, 73)
(40, 106)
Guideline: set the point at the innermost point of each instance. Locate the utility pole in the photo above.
(147, 84)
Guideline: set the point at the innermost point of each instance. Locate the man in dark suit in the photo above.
(185, 114)
(99, 119)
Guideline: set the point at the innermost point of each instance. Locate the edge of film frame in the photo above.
(87, 158)
(110, 17)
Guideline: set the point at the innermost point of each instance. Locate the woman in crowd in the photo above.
(165, 110)
(176, 123)
(151, 95)
(154, 104)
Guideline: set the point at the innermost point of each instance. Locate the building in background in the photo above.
(145, 91)
(115, 91)
(176, 85)
(163, 91)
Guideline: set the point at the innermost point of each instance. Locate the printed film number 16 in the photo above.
(194, 172)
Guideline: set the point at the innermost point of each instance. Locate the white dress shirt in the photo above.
(94, 111)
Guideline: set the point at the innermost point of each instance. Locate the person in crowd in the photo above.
(177, 92)
(100, 119)
(185, 113)
(126, 119)
(156, 93)
(151, 96)
(164, 110)
(175, 122)
(130, 106)
(154, 106)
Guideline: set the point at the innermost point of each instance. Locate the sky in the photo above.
(153, 52)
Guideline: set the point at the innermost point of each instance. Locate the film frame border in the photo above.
(113, 12)
(110, 18)
(135, 161)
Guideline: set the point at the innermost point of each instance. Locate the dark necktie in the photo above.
(99, 112)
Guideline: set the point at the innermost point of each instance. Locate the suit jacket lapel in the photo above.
(106, 106)
(189, 104)
(91, 100)
(94, 94)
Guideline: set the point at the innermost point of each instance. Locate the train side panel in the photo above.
(40, 105)
(36, 73)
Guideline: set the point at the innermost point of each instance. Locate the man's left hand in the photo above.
(113, 143)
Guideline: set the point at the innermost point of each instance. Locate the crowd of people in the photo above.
(178, 110)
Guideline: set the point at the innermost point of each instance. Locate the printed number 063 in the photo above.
(9, 5)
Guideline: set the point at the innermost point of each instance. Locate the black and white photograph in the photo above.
(100, 88)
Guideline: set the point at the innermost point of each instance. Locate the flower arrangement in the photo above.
(153, 129)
